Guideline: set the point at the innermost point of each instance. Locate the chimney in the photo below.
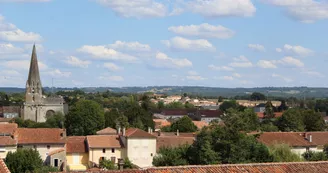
(123, 131)
(120, 164)
(310, 138)
(148, 129)
(177, 132)
(119, 130)
(151, 131)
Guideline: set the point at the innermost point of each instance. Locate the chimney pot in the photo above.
(178, 132)
(123, 131)
(310, 138)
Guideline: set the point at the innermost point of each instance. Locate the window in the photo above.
(151, 154)
(55, 162)
(113, 150)
(48, 147)
(104, 150)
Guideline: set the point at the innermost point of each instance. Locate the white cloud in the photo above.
(220, 68)
(195, 77)
(179, 43)
(74, 61)
(203, 30)
(162, 60)
(112, 66)
(242, 62)
(284, 78)
(256, 47)
(130, 46)
(136, 8)
(29, 47)
(9, 32)
(106, 53)
(221, 8)
(22, 65)
(176, 11)
(112, 78)
(266, 64)
(10, 49)
(306, 11)
(57, 73)
(295, 50)
(290, 61)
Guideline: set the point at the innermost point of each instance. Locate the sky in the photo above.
(118, 43)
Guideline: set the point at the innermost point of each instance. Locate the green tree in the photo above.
(107, 164)
(128, 164)
(160, 105)
(171, 156)
(183, 124)
(313, 121)
(245, 120)
(175, 105)
(283, 106)
(314, 156)
(228, 105)
(269, 112)
(24, 160)
(111, 117)
(188, 105)
(56, 121)
(283, 153)
(86, 117)
(257, 96)
(291, 120)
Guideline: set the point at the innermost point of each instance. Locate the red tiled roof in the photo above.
(39, 136)
(76, 144)
(318, 138)
(3, 167)
(276, 114)
(104, 141)
(56, 151)
(293, 139)
(5, 120)
(8, 129)
(107, 131)
(159, 123)
(137, 133)
(173, 141)
(7, 141)
(174, 134)
(200, 124)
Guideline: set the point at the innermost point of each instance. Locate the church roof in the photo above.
(34, 75)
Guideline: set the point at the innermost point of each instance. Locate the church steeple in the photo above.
(33, 84)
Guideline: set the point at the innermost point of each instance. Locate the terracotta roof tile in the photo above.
(7, 141)
(173, 141)
(138, 133)
(3, 167)
(159, 123)
(39, 136)
(200, 124)
(276, 114)
(107, 131)
(293, 139)
(56, 151)
(175, 134)
(76, 144)
(104, 141)
(8, 129)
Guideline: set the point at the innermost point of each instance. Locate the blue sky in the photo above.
(217, 43)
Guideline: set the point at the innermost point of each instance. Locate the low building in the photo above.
(7, 144)
(209, 115)
(259, 108)
(77, 154)
(11, 111)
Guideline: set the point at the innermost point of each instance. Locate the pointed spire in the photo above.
(34, 75)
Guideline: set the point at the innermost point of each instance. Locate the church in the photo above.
(38, 107)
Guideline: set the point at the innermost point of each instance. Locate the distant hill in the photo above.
(201, 91)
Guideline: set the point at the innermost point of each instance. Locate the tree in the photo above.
(160, 105)
(291, 120)
(107, 164)
(188, 105)
(172, 156)
(175, 105)
(283, 106)
(183, 124)
(24, 160)
(228, 104)
(86, 117)
(269, 112)
(283, 153)
(127, 164)
(313, 121)
(111, 117)
(245, 120)
(56, 121)
(220, 99)
(314, 156)
(257, 96)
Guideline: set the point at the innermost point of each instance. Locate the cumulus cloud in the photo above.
(295, 50)
(106, 53)
(266, 64)
(162, 60)
(74, 61)
(241, 62)
(220, 68)
(222, 8)
(183, 44)
(9, 32)
(111, 78)
(130, 46)
(6, 48)
(22, 65)
(284, 78)
(307, 11)
(136, 8)
(256, 47)
(203, 30)
(290, 61)
(112, 66)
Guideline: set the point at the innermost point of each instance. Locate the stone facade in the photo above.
(37, 107)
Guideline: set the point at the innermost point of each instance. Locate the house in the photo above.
(159, 123)
(210, 107)
(173, 141)
(10, 111)
(209, 115)
(175, 113)
(101, 147)
(77, 155)
(7, 144)
(107, 131)
(260, 107)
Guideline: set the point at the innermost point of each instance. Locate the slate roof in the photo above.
(39, 136)
(7, 141)
(8, 129)
(3, 167)
(138, 133)
(104, 141)
(173, 141)
(107, 131)
(76, 144)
